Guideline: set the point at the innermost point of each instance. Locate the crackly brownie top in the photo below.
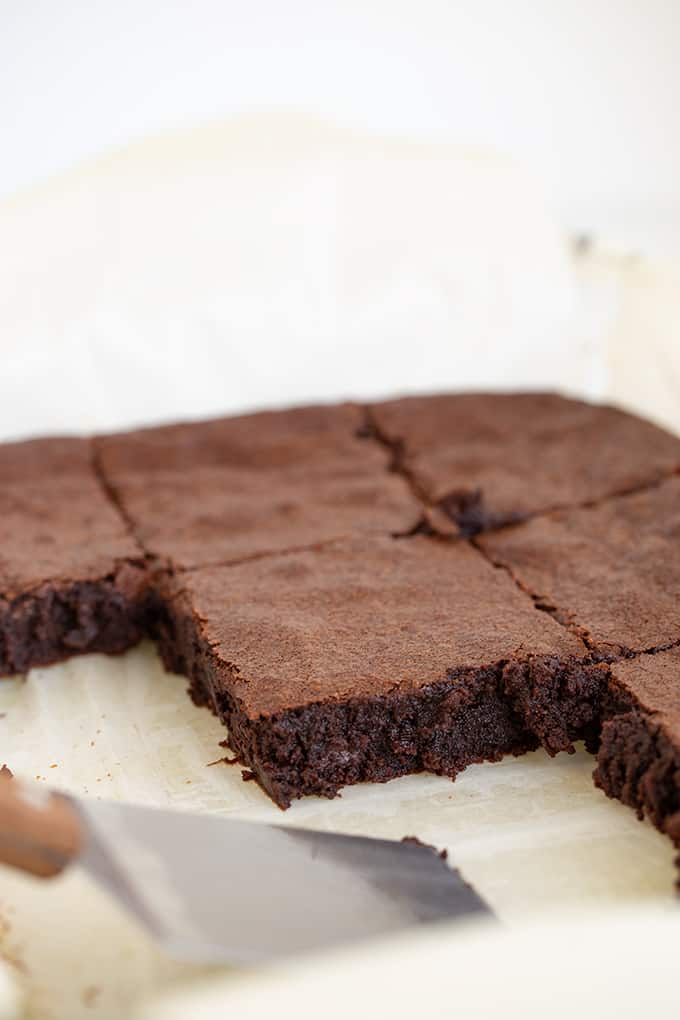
(496, 457)
(56, 523)
(219, 491)
(362, 617)
(612, 569)
(652, 680)
(266, 440)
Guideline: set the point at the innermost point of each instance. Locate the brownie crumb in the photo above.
(90, 995)
(225, 760)
(443, 855)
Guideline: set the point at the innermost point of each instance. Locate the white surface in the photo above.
(588, 967)
(584, 94)
(532, 834)
(11, 999)
(272, 260)
(643, 351)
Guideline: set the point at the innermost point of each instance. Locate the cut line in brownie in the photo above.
(610, 572)
(486, 460)
(236, 488)
(71, 577)
(372, 658)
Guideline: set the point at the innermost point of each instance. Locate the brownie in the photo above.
(639, 755)
(490, 459)
(71, 577)
(610, 572)
(361, 593)
(233, 488)
(371, 658)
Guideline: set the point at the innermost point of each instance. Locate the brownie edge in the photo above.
(55, 620)
(314, 661)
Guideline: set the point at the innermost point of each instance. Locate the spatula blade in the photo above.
(219, 890)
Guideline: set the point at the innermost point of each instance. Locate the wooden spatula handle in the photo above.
(40, 831)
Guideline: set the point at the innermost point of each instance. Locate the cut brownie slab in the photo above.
(234, 488)
(490, 459)
(373, 658)
(610, 572)
(336, 653)
(71, 578)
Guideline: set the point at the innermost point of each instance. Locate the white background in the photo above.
(244, 258)
(583, 93)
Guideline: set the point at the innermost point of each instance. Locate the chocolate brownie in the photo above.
(230, 489)
(302, 586)
(639, 755)
(610, 572)
(371, 658)
(71, 578)
(489, 459)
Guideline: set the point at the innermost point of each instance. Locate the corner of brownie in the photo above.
(60, 618)
(72, 578)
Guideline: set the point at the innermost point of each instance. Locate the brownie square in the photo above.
(610, 572)
(372, 658)
(230, 489)
(491, 459)
(71, 577)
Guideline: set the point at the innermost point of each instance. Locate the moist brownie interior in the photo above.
(639, 757)
(361, 593)
(72, 579)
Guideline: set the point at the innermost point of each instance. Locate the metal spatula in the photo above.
(215, 890)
